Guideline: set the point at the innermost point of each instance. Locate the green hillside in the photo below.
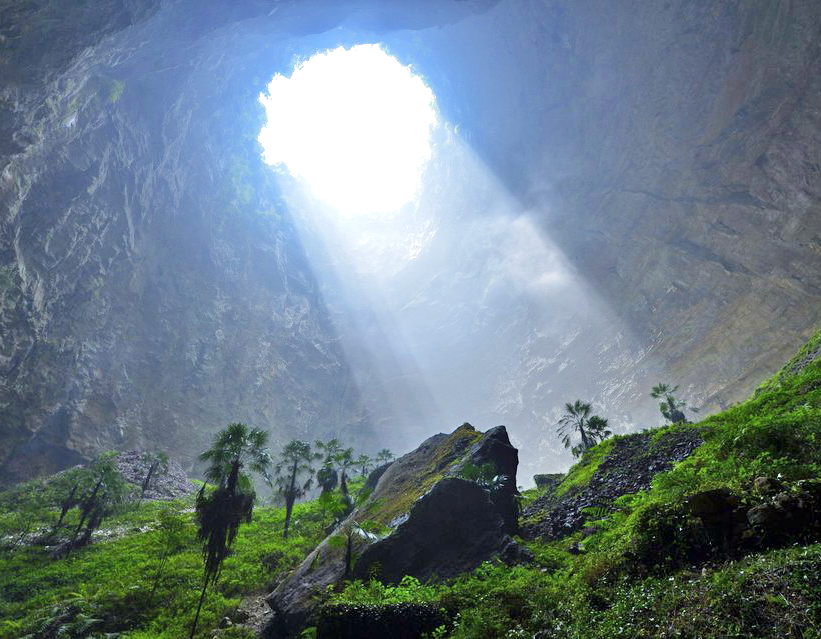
(663, 562)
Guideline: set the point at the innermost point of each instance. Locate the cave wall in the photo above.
(153, 286)
(673, 151)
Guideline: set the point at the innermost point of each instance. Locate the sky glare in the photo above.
(354, 124)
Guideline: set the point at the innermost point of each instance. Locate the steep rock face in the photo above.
(152, 286)
(673, 151)
(440, 525)
(450, 530)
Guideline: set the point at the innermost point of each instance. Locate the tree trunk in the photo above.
(87, 507)
(585, 439)
(290, 497)
(343, 486)
(199, 607)
(289, 506)
(93, 523)
(67, 505)
(147, 481)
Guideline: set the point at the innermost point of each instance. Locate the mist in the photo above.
(459, 308)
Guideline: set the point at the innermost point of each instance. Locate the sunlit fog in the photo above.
(354, 124)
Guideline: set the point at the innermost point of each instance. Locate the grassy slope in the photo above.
(596, 594)
(112, 580)
(603, 593)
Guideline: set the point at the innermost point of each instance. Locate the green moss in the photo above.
(408, 488)
(581, 474)
(794, 366)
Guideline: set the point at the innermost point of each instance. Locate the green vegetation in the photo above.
(647, 567)
(146, 579)
(577, 420)
(221, 511)
(671, 408)
(581, 473)
(384, 456)
(640, 571)
(294, 461)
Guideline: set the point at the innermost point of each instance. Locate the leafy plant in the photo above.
(670, 407)
(577, 420)
(221, 511)
(384, 456)
(103, 490)
(294, 461)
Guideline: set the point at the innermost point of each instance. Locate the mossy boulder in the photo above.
(450, 530)
(435, 523)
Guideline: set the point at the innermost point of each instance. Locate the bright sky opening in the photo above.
(355, 124)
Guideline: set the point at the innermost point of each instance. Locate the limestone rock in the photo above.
(439, 524)
(450, 530)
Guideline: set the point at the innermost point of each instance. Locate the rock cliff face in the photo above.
(153, 285)
(672, 150)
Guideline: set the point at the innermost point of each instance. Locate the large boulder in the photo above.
(450, 530)
(434, 523)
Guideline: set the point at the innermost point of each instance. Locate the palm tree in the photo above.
(384, 456)
(344, 460)
(577, 420)
(221, 511)
(335, 457)
(327, 477)
(671, 408)
(363, 463)
(294, 461)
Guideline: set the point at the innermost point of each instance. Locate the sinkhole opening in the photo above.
(355, 125)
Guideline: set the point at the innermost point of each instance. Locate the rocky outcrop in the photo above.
(167, 482)
(450, 530)
(719, 524)
(628, 468)
(438, 525)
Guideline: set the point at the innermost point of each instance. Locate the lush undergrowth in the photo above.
(633, 573)
(634, 576)
(146, 581)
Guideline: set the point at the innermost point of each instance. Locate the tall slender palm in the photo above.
(221, 511)
(327, 477)
(364, 463)
(344, 460)
(577, 420)
(295, 460)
